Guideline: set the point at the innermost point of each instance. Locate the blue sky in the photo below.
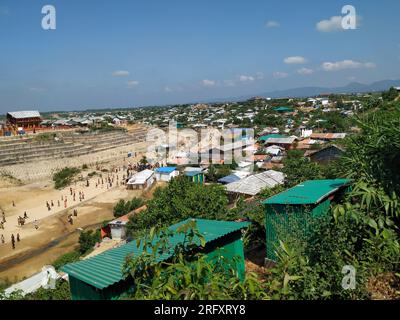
(129, 53)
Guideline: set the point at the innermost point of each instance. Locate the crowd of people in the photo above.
(77, 194)
(16, 238)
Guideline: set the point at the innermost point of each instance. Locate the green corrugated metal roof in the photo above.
(274, 135)
(308, 192)
(105, 269)
(283, 108)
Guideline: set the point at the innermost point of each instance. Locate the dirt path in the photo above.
(55, 235)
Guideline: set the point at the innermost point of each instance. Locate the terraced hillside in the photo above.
(18, 150)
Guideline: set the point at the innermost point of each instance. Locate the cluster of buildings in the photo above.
(101, 277)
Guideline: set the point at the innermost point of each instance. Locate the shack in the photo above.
(141, 180)
(24, 119)
(166, 173)
(195, 175)
(295, 207)
(284, 109)
(254, 184)
(325, 155)
(101, 277)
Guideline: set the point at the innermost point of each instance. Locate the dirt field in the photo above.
(55, 235)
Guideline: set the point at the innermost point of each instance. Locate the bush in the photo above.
(61, 292)
(65, 259)
(63, 178)
(124, 207)
(87, 240)
(180, 200)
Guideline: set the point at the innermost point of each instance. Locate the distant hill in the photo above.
(354, 87)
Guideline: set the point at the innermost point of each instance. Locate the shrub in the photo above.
(65, 259)
(124, 207)
(87, 240)
(63, 178)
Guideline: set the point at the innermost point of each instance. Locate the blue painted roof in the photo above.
(229, 179)
(166, 169)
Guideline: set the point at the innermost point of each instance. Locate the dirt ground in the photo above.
(55, 235)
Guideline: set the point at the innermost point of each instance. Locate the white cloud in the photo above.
(272, 24)
(120, 73)
(244, 78)
(280, 75)
(346, 64)
(208, 83)
(295, 60)
(333, 24)
(305, 71)
(132, 83)
(168, 89)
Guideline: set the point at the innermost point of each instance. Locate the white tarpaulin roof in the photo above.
(254, 184)
(141, 177)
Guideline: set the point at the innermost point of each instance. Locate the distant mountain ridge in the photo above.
(354, 87)
(301, 92)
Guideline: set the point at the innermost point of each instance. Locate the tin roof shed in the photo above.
(308, 192)
(105, 269)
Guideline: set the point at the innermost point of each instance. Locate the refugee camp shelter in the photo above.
(235, 176)
(141, 180)
(293, 208)
(118, 227)
(325, 155)
(24, 119)
(195, 174)
(269, 136)
(254, 184)
(166, 173)
(101, 277)
(283, 109)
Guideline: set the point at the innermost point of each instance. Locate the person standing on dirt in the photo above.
(52, 204)
(35, 224)
(13, 203)
(2, 239)
(25, 215)
(1, 225)
(4, 217)
(13, 241)
(18, 239)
